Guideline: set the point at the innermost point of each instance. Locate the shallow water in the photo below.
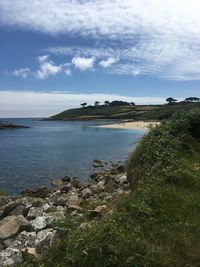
(52, 149)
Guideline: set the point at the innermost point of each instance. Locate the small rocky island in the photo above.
(7, 125)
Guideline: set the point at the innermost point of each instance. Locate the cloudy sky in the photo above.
(54, 54)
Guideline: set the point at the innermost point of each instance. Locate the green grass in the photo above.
(142, 112)
(158, 224)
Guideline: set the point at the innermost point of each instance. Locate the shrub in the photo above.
(159, 156)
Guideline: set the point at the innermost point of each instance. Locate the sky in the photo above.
(56, 54)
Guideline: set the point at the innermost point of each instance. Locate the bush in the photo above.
(159, 156)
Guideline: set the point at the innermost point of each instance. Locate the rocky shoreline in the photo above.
(6, 125)
(29, 222)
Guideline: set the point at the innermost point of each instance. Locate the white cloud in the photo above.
(107, 63)
(41, 104)
(48, 68)
(83, 63)
(160, 38)
(43, 58)
(24, 73)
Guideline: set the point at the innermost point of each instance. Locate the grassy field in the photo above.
(145, 112)
(158, 224)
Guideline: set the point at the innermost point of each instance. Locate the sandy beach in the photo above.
(131, 125)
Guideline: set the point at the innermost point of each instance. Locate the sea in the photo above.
(32, 157)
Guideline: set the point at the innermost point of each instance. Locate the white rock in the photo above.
(46, 206)
(101, 185)
(45, 239)
(10, 257)
(39, 223)
(35, 212)
(24, 239)
(122, 179)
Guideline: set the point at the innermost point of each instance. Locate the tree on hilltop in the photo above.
(192, 100)
(171, 100)
(84, 105)
(96, 103)
(107, 103)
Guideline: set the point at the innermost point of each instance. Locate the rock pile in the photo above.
(28, 223)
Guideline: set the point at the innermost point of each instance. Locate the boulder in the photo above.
(95, 175)
(7, 209)
(65, 188)
(101, 185)
(46, 206)
(101, 209)
(24, 239)
(45, 239)
(39, 223)
(7, 243)
(35, 212)
(52, 217)
(123, 179)
(57, 183)
(30, 251)
(66, 179)
(75, 182)
(10, 257)
(42, 192)
(11, 225)
(121, 169)
(73, 201)
(4, 200)
(85, 193)
(19, 210)
(97, 163)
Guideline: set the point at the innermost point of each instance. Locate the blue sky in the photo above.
(57, 53)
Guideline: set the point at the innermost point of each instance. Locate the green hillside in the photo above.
(139, 112)
(158, 224)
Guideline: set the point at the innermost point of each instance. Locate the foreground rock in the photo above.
(29, 223)
(11, 225)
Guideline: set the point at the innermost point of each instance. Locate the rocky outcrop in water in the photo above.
(29, 223)
(5, 125)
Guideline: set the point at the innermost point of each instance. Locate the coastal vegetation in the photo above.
(158, 222)
(125, 110)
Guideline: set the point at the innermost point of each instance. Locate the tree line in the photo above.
(109, 104)
(192, 99)
(116, 103)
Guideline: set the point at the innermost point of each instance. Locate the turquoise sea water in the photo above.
(52, 149)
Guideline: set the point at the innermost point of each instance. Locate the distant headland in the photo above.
(127, 110)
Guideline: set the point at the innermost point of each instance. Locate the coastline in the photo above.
(29, 221)
(131, 125)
